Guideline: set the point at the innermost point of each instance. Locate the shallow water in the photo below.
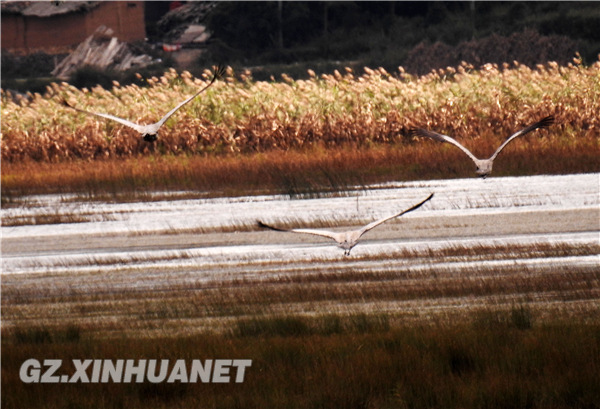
(155, 235)
(452, 197)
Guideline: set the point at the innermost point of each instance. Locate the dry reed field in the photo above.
(307, 128)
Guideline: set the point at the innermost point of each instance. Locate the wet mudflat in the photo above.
(180, 266)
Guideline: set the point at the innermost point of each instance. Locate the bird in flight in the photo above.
(348, 239)
(484, 166)
(149, 132)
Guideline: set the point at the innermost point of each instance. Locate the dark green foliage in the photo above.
(32, 336)
(33, 65)
(27, 73)
(387, 31)
(278, 326)
(528, 48)
(296, 326)
(246, 26)
(45, 336)
(28, 84)
(32, 72)
(90, 76)
(521, 317)
(387, 34)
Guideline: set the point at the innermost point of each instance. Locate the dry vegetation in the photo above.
(336, 337)
(496, 361)
(416, 286)
(248, 116)
(307, 128)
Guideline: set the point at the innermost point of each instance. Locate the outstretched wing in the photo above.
(544, 123)
(217, 74)
(139, 128)
(378, 222)
(441, 138)
(324, 233)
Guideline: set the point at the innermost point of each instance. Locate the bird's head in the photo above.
(150, 137)
(347, 245)
(481, 173)
(484, 168)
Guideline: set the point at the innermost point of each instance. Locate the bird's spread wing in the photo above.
(324, 233)
(378, 222)
(139, 128)
(441, 138)
(217, 74)
(544, 123)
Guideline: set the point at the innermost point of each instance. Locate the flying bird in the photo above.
(484, 166)
(348, 239)
(149, 132)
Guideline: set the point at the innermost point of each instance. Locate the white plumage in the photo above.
(346, 240)
(484, 166)
(149, 132)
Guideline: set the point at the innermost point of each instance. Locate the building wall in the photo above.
(12, 31)
(126, 18)
(28, 33)
(36, 33)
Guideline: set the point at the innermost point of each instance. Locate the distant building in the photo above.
(57, 27)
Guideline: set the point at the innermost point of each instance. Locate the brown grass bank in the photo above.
(294, 173)
(497, 360)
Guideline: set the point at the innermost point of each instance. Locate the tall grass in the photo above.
(324, 133)
(493, 363)
(335, 110)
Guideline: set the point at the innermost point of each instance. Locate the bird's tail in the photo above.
(266, 226)
(544, 123)
(63, 101)
(219, 72)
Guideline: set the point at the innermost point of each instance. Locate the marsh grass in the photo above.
(120, 300)
(339, 336)
(290, 326)
(297, 174)
(443, 255)
(55, 218)
(333, 362)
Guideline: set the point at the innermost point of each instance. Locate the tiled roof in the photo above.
(46, 8)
